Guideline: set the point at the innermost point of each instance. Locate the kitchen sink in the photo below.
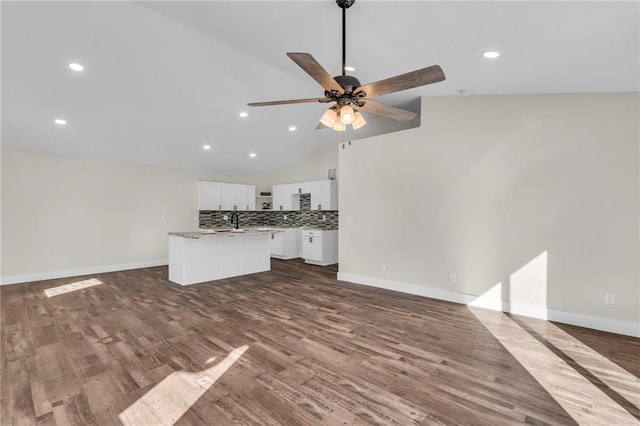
(214, 231)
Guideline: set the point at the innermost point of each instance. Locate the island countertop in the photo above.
(224, 232)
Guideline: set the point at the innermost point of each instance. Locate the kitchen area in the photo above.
(239, 230)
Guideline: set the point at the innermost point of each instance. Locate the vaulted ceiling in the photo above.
(162, 79)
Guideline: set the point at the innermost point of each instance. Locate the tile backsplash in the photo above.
(323, 219)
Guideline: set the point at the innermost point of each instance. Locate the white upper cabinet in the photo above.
(324, 195)
(226, 196)
(250, 197)
(301, 188)
(240, 197)
(284, 198)
(209, 196)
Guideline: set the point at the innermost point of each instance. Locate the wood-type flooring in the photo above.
(294, 346)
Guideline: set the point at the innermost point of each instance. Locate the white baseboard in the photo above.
(627, 328)
(26, 278)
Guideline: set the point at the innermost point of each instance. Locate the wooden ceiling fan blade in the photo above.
(398, 114)
(315, 70)
(290, 101)
(429, 75)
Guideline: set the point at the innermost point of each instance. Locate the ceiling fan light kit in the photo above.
(349, 95)
(346, 114)
(358, 121)
(329, 118)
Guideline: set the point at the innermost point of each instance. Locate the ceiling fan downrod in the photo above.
(344, 5)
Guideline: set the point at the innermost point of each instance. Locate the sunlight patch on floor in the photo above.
(175, 394)
(580, 398)
(611, 374)
(68, 288)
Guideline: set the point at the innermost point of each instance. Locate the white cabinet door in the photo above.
(286, 197)
(318, 195)
(312, 248)
(228, 196)
(209, 196)
(239, 197)
(251, 197)
(324, 195)
(279, 193)
(277, 244)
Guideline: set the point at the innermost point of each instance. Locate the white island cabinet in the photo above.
(196, 257)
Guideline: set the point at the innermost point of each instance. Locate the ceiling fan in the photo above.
(349, 95)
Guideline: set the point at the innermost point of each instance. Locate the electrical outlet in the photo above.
(453, 277)
(225, 217)
(285, 217)
(51, 261)
(162, 218)
(610, 298)
(324, 217)
(383, 267)
(349, 219)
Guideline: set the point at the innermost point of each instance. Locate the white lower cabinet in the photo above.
(277, 245)
(320, 247)
(286, 243)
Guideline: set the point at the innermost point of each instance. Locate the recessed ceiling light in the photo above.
(76, 67)
(243, 114)
(252, 155)
(350, 69)
(292, 128)
(60, 121)
(206, 146)
(491, 54)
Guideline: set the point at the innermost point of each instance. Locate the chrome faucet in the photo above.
(237, 224)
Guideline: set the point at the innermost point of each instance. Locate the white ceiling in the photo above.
(162, 79)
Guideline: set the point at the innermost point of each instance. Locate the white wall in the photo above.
(315, 165)
(87, 215)
(533, 200)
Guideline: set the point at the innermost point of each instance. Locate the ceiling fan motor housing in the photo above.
(349, 84)
(345, 4)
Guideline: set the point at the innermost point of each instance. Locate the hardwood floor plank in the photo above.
(320, 352)
(41, 404)
(20, 401)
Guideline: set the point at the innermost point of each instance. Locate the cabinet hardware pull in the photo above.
(272, 237)
(310, 239)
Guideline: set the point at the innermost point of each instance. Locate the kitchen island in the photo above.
(208, 255)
